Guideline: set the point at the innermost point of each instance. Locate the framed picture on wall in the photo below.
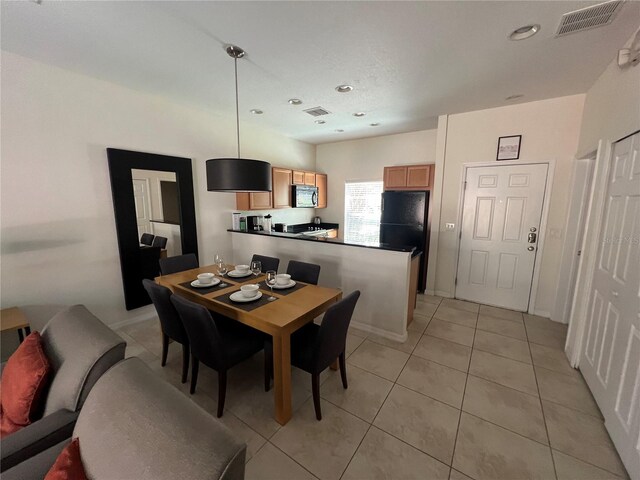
(509, 147)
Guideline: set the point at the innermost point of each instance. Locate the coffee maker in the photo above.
(254, 223)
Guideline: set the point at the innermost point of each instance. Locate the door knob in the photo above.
(530, 248)
(531, 238)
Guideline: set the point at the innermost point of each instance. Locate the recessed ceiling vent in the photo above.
(317, 111)
(589, 17)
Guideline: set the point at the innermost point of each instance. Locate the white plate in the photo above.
(236, 274)
(197, 284)
(291, 283)
(240, 298)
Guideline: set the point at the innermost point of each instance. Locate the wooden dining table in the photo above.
(292, 309)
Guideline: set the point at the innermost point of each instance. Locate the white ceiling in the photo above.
(408, 61)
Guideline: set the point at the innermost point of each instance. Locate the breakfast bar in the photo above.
(386, 275)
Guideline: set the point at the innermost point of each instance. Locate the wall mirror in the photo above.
(154, 212)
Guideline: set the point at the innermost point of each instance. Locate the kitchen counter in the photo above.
(386, 276)
(334, 241)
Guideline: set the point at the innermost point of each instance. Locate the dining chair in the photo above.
(218, 345)
(304, 272)
(315, 347)
(179, 263)
(147, 239)
(268, 263)
(170, 323)
(159, 241)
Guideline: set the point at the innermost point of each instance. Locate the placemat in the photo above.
(247, 307)
(204, 291)
(283, 291)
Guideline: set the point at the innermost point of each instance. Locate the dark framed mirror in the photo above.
(152, 195)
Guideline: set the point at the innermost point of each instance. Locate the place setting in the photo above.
(205, 283)
(283, 283)
(248, 298)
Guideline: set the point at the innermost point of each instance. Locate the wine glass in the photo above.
(256, 267)
(271, 281)
(222, 269)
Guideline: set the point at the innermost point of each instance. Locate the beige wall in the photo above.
(58, 231)
(550, 131)
(611, 108)
(365, 159)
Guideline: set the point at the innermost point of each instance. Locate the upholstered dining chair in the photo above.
(179, 263)
(268, 263)
(170, 323)
(304, 272)
(159, 241)
(218, 345)
(147, 239)
(315, 347)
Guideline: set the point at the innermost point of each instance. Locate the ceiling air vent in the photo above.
(317, 111)
(589, 17)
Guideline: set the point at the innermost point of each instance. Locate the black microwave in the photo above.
(303, 196)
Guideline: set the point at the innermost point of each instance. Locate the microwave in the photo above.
(303, 196)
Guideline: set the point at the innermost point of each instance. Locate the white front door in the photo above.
(500, 227)
(610, 361)
(143, 210)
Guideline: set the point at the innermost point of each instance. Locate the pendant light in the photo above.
(238, 174)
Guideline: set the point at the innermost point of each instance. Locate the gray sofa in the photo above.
(134, 425)
(80, 348)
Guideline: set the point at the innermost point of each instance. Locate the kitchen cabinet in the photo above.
(253, 201)
(321, 183)
(282, 180)
(298, 177)
(409, 177)
(310, 179)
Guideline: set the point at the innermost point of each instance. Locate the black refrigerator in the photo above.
(405, 222)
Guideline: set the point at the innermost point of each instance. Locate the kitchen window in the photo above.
(362, 212)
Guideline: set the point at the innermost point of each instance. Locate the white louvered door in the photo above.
(610, 361)
(502, 207)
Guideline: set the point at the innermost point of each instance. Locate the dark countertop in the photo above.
(335, 241)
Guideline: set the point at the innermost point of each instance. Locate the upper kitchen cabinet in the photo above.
(409, 177)
(301, 177)
(282, 180)
(298, 177)
(310, 179)
(253, 200)
(321, 183)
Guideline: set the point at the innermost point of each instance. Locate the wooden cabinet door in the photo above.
(298, 177)
(260, 200)
(282, 179)
(310, 179)
(418, 176)
(395, 177)
(321, 183)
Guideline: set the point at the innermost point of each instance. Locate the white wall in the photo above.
(365, 159)
(58, 232)
(550, 131)
(611, 108)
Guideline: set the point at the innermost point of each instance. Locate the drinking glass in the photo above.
(256, 267)
(222, 270)
(271, 281)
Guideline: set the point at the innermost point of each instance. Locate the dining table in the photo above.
(292, 308)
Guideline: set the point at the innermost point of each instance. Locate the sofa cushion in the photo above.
(68, 465)
(136, 425)
(6, 425)
(80, 348)
(24, 380)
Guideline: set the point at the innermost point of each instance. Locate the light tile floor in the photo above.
(475, 392)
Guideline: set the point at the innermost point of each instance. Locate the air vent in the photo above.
(590, 17)
(317, 111)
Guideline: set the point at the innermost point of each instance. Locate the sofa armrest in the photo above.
(36, 467)
(35, 438)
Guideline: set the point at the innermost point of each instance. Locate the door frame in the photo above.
(580, 194)
(542, 232)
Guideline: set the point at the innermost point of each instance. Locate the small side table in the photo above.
(13, 319)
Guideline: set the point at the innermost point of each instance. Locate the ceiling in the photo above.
(407, 61)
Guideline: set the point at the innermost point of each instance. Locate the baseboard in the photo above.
(133, 320)
(380, 332)
(542, 313)
(442, 293)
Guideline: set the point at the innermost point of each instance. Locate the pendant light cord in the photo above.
(235, 61)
